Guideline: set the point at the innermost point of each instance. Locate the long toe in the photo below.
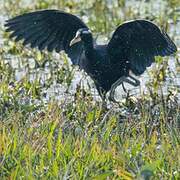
(112, 98)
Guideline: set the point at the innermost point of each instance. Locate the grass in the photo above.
(75, 137)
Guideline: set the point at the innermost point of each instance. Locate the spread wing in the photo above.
(138, 42)
(51, 29)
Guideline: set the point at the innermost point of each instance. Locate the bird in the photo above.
(132, 48)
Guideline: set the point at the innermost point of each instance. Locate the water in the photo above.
(58, 91)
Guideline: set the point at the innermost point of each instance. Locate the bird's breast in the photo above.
(103, 72)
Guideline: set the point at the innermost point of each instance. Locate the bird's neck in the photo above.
(88, 47)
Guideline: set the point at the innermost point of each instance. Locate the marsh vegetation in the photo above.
(52, 122)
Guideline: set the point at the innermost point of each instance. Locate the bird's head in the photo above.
(83, 34)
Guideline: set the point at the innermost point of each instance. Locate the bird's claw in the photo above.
(136, 81)
(133, 82)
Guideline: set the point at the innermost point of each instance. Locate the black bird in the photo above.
(133, 45)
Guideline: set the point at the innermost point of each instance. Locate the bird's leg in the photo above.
(136, 81)
(119, 82)
(124, 88)
(102, 94)
(113, 88)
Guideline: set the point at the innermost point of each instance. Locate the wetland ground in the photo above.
(53, 124)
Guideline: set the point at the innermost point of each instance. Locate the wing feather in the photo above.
(138, 42)
(47, 29)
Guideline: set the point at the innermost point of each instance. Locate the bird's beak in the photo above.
(76, 39)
